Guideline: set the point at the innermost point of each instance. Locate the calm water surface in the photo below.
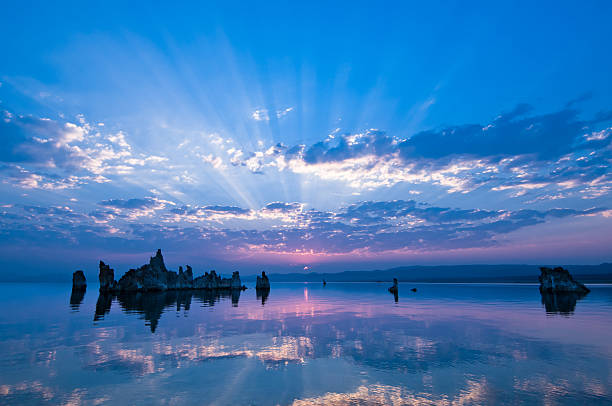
(306, 344)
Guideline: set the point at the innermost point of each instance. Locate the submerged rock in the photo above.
(154, 276)
(559, 280)
(262, 282)
(78, 280)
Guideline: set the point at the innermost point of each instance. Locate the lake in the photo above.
(306, 344)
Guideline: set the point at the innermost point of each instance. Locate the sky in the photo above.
(300, 137)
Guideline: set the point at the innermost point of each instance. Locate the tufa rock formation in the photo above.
(106, 277)
(155, 277)
(78, 281)
(262, 282)
(559, 280)
(394, 288)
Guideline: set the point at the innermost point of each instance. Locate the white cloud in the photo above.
(260, 115)
(215, 161)
(282, 113)
(264, 114)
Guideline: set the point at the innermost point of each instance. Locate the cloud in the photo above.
(264, 114)
(367, 228)
(260, 115)
(284, 112)
(18, 176)
(135, 208)
(41, 153)
(283, 207)
(145, 203)
(517, 152)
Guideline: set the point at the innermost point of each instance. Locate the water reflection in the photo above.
(563, 303)
(103, 305)
(151, 305)
(262, 294)
(342, 344)
(76, 298)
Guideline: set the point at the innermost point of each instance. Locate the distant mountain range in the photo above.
(450, 273)
(601, 273)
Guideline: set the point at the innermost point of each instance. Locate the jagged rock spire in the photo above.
(157, 262)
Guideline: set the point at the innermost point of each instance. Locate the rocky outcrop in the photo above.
(213, 281)
(154, 276)
(78, 281)
(559, 280)
(263, 283)
(184, 280)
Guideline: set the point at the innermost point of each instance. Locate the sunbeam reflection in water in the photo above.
(346, 344)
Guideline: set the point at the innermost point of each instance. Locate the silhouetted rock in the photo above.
(157, 262)
(154, 276)
(263, 283)
(563, 303)
(184, 280)
(149, 277)
(78, 281)
(559, 280)
(210, 281)
(413, 289)
(106, 277)
(235, 283)
(394, 288)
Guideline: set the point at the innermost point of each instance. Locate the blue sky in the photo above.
(305, 136)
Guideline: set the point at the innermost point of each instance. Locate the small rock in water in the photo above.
(559, 280)
(78, 280)
(394, 288)
(262, 282)
(414, 289)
